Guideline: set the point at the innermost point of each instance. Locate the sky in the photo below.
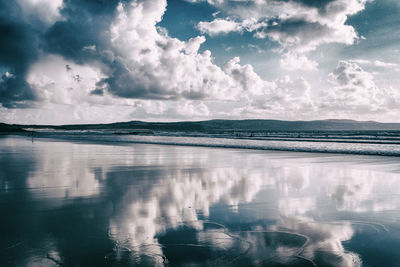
(99, 61)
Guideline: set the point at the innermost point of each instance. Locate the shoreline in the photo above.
(243, 144)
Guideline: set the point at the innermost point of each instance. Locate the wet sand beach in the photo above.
(122, 204)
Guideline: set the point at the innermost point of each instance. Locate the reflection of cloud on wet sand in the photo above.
(184, 197)
(179, 201)
(64, 171)
(324, 244)
(296, 206)
(361, 190)
(160, 198)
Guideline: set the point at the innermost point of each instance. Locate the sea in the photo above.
(386, 143)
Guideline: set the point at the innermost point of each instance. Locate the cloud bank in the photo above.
(111, 60)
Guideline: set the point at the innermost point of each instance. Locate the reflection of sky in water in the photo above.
(98, 204)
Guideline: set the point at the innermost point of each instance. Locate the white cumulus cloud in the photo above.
(297, 25)
(354, 89)
(153, 65)
(219, 26)
(292, 61)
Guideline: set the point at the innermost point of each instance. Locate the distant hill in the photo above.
(217, 126)
(6, 128)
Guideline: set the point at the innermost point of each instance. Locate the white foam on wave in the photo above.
(296, 146)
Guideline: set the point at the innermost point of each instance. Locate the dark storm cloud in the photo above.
(18, 39)
(306, 31)
(85, 24)
(319, 4)
(121, 83)
(97, 92)
(228, 4)
(24, 38)
(295, 26)
(19, 47)
(14, 91)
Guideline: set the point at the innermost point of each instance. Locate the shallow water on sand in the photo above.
(99, 204)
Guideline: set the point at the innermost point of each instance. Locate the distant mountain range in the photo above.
(218, 126)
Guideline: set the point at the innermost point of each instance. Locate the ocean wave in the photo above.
(314, 145)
